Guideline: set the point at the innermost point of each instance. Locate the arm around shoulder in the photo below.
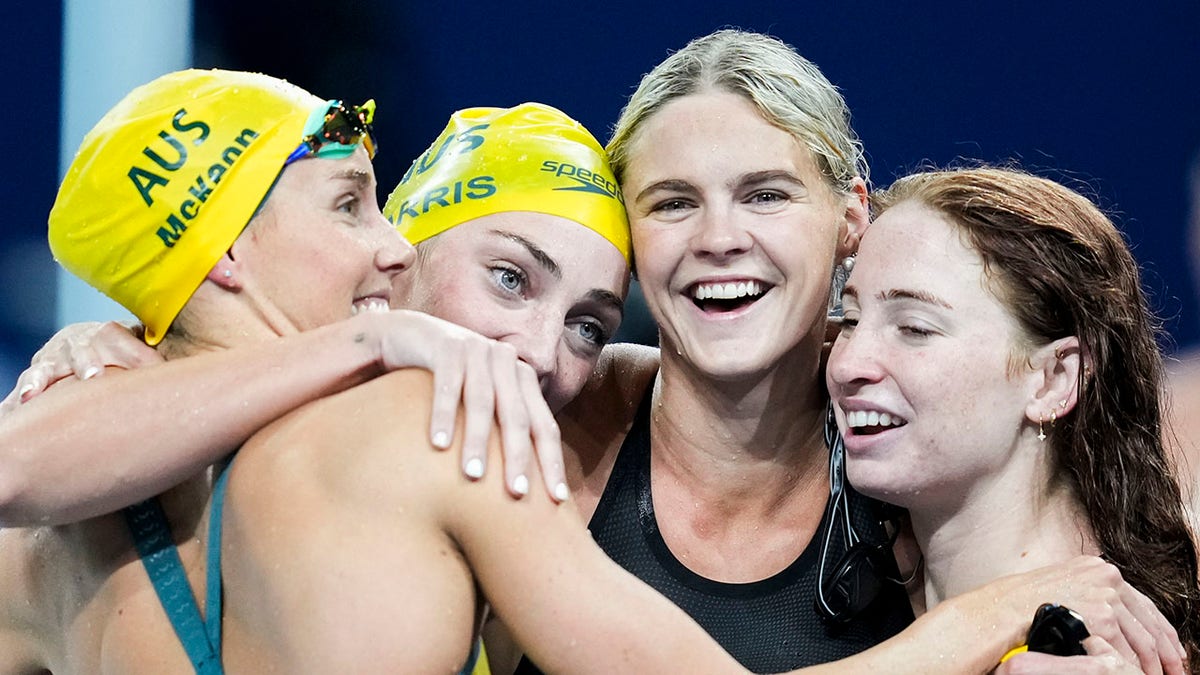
(84, 448)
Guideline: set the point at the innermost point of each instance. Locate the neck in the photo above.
(218, 320)
(758, 438)
(1001, 528)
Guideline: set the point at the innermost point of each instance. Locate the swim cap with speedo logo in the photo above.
(531, 157)
(167, 180)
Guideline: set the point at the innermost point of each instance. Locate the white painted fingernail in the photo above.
(91, 372)
(521, 485)
(474, 468)
(441, 440)
(561, 492)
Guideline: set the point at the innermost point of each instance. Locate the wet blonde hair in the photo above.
(787, 89)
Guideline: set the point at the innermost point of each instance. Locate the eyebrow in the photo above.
(360, 177)
(752, 179)
(608, 298)
(538, 254)
(668, 185)
(902, 294)
(759, 177)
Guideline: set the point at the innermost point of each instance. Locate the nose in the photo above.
(537, 345)
(719, 235)
(854, 360)
(394, 254)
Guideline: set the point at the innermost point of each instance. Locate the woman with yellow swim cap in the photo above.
(230, 212)
(523, 271)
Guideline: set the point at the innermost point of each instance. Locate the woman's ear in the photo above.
(226, 273)
(857, 218)
(1056, 370)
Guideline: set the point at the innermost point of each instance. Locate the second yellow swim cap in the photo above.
(166, 181)
(531, 157)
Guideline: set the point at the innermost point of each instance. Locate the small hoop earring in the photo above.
(1053, 417)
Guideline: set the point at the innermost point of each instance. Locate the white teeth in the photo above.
(368, 305)
(730, 291)
(862, 418)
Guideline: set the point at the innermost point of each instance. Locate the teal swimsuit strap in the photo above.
(201, 639)
(472, 658)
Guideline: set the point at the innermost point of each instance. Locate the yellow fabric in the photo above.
(1013, 652)
(166, 181)
(531, 157)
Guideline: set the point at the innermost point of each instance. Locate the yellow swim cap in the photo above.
(491, 160)
(167, 180)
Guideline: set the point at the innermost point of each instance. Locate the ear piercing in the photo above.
(227, 273)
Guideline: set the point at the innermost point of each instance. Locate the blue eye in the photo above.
(508, 278)
(593, 333)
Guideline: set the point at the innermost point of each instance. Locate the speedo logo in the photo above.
(585, 180)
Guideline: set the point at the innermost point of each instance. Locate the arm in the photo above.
(974, 630)
(1101, 658)
(86, 448)
(350, 545)
(408, 538)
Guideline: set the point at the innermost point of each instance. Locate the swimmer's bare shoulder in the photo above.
(334, 548)
(355, 543)
(595, 424)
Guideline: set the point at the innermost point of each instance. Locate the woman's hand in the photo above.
(82, 350)
(484, 375)
(491, 383)
(1101, 658)
(1112, 610)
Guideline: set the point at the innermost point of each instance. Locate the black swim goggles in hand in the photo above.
(343, 126)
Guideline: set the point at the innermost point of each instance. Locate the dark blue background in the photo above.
(1104, 93)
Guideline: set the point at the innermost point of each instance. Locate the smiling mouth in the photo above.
(727, 297)
(868, 423)
(369, 304)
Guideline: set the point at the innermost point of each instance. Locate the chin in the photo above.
(880, 482)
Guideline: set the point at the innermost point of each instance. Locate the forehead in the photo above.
(713, 131)
(314, 172)
(581, 257)
(913, 245)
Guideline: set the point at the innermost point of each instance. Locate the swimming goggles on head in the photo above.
(347, 127)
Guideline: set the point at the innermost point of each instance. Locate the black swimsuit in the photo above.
(769, 625)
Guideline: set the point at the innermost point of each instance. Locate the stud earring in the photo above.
(227, 273)
(1041, 432)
